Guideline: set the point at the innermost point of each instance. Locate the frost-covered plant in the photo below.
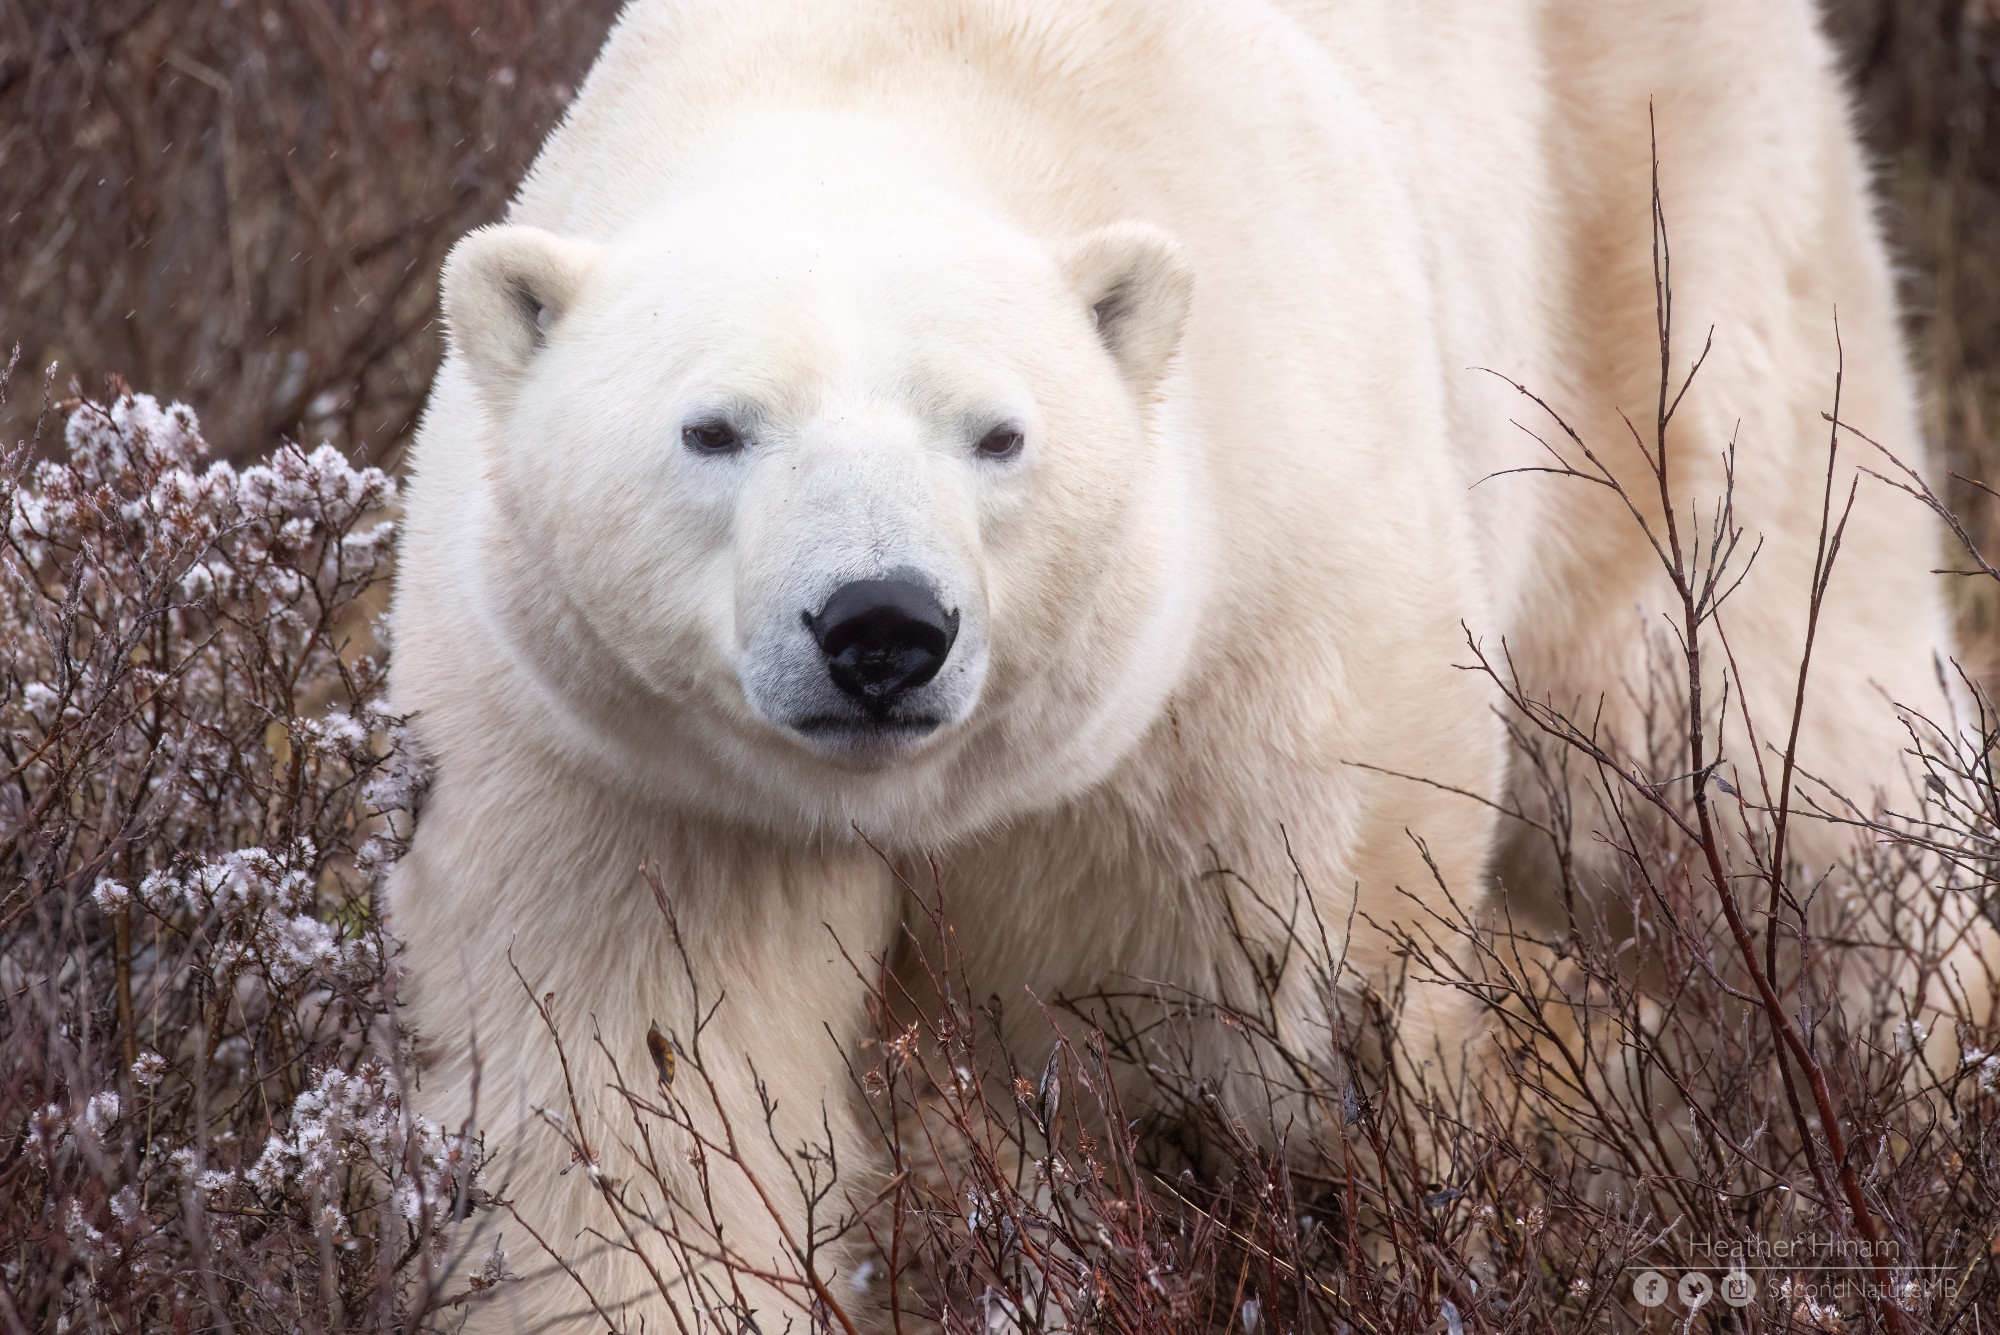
(200, 1123)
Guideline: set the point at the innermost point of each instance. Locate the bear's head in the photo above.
(862, 517)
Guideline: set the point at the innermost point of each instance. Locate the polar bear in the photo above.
(1039, 439)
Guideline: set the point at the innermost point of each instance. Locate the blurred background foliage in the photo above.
(244, 203)
(1926, 75)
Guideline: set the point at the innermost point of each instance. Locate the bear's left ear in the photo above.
(1137, 285)
(504, 291)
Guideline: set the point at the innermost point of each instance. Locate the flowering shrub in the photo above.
(200, 1123)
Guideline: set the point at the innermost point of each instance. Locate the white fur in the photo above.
(1235, 555)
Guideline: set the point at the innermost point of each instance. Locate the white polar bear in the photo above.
(1039, 437)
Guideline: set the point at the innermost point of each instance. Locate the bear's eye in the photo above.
(711, 437)
(1002, 442)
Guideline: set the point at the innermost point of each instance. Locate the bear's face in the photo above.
(830, 497)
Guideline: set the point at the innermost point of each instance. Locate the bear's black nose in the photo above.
(882, 639)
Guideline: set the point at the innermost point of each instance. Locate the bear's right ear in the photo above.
(1138, 287)
(504, 291)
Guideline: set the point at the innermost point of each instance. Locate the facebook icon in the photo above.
(1650, 1288)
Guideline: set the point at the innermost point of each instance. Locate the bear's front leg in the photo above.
(654, 1048)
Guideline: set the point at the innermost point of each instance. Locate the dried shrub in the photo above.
(245, 203)
(199, 1118)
